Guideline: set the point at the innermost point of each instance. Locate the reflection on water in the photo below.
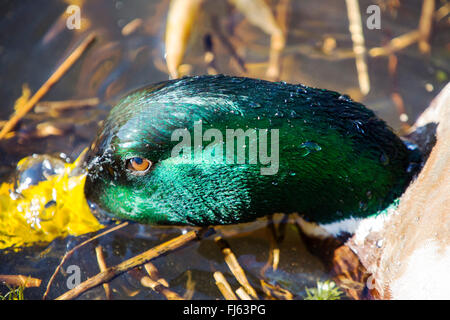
(318, 53)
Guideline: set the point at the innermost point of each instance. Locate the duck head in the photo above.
(264, 147)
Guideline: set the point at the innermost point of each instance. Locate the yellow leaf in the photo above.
(53, 208)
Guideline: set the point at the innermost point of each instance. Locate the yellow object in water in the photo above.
(28, 218)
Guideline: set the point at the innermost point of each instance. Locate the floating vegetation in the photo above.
(14, 293)
(325, 290)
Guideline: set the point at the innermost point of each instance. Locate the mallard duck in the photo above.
(175, 152)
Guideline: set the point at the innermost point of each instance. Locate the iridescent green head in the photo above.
(218, 150)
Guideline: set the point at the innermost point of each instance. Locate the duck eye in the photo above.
(139, 165)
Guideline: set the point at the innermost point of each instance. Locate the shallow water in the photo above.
(34, 40)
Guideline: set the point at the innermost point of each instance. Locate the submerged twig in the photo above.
(227, 45)
(259, 14)
(242, 294)
(72, 251)
(20, 280)
(235, 267)
(60, 71)
(224, 286)
(355, 27)
(131, 26)
(158, 284)
(190, 287)
(49, 128)
(425, 24)
(181, 19)
(274, 250)
(396, 44)
(278, 40)
(131, 263)
(58, 106)
(276, 236)
(102, 266)
(275, 291)
(442, 12)
(158, 287)
(154, 274)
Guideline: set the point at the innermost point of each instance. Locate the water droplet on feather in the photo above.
(279, 114)
(344, 97)
(309, 147)
(384, 159)
(255, 105)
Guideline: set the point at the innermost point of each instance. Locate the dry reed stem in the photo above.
(58, 106)
(236, 269)
(60, 71)
(276, 236)
(359, 48)
(131, 263)
(242, 294)
(159, 287)
(153, 273)
(278, 40)
(224, 286)
(190, 287)
(20, 280)
(425, 24)
(102, 266)
(71, 252)
(442, 12)
(274, 250)
(275, 291)
(396, 44)
(181, 19)
(131, 26)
